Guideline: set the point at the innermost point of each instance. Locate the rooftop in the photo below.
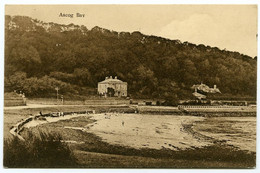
(205, 88)
(111, 80)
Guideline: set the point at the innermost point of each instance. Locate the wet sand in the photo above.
(239, 132)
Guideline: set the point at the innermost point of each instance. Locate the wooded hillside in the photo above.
(40, 56)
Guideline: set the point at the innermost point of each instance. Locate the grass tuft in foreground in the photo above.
(42, 151)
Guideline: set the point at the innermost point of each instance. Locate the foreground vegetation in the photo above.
(43, 151)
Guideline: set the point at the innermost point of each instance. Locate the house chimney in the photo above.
(106, 78)
(215, 86)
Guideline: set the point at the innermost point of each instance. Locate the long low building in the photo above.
(112, 87)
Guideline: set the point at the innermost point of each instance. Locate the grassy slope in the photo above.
(101, 160)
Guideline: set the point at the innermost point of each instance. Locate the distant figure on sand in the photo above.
(123, 123)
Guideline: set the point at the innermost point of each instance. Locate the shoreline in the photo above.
(128, 110)
(96, 149)
(186, 123)
(14, 116)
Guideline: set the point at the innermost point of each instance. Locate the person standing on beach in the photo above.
(123, 123)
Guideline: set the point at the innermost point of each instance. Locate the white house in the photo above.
(112, 87)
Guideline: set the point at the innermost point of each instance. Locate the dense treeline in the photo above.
(40, 56)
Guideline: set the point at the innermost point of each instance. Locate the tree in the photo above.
(82, 76)
(25, 58)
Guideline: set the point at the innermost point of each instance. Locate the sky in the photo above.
(231, 27)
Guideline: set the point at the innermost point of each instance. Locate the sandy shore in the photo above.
(174, 132)
(166, 131)
(141, 130)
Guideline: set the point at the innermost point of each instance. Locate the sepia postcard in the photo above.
(130, 86)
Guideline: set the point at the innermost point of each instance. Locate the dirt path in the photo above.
(33, 106)
(46, 106)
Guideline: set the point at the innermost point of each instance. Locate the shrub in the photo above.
(38, 151)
